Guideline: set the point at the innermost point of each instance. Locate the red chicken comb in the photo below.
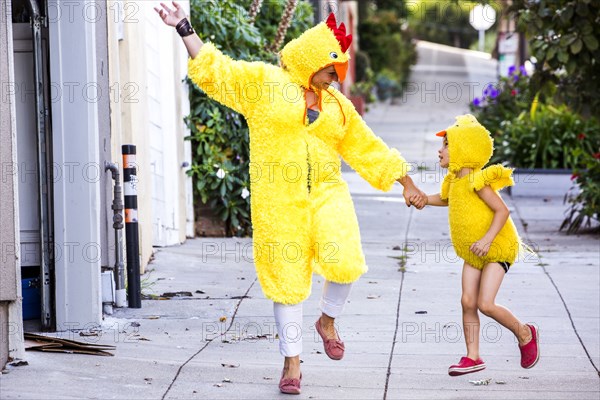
(339, 32)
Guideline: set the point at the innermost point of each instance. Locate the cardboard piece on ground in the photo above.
(36, 342)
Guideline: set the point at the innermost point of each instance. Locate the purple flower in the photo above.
(488, 90)
(476, 101)
(511, 69)
(523, 70)
(493, 93)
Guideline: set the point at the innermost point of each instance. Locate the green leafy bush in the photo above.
(554, 137)
(445, 22)
(219, 136)
(390, 48)
(584, 200)
(564, 37)
(365, 78)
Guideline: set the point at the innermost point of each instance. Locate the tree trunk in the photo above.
(286, 20)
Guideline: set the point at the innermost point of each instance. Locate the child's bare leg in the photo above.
(491, 278)
(470, 294)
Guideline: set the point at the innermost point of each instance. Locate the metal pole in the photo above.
(131, 227)
(117, 207)
(481, 40)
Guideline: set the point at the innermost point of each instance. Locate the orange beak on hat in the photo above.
(441, 133)
(341, 70)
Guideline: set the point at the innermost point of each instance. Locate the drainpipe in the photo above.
(117, 207)
(37, 20)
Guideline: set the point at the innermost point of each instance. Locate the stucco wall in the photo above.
(11, 340)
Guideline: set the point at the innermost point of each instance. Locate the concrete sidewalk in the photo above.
(402, 326)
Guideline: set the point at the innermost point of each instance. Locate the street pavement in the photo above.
(402, 324)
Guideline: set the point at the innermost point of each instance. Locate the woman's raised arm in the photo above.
(177, 19)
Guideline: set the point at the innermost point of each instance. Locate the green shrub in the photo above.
(555, 137)
(564, 37)
(389, 46)
(585, 200)
(445, 22)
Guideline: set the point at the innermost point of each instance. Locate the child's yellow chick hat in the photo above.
(470, 145)
(319, 47)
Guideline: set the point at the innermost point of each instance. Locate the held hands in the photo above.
(413, 196)
(481, 247)
(171, 17)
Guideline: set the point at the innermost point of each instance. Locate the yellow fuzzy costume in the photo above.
(303, 217)
(470, 146)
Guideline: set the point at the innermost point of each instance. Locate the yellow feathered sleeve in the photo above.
(235, 84)
(368, 155)
(496, 176)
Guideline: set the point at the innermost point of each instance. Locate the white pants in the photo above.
(288, 318)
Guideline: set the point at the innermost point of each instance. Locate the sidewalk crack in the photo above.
(587, 353)
(403, 271)
(245, 296)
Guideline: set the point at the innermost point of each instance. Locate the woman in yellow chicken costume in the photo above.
(483, 235)
(303, 217)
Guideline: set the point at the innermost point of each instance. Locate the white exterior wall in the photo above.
(151, 58)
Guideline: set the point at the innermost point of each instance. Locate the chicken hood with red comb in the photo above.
(319, 47)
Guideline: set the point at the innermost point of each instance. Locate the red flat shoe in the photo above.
(466, 366)
(289, 385)
(530, 352)
(334, 348)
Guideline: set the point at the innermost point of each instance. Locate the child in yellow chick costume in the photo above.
(303, 217)
(483, 235)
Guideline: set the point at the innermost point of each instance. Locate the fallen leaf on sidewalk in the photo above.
(482, 382)
(200, 292)
(89, 333)
(223, 319)
(18, 363)
(500, 383)
(252, 337)
(177, 294)
(153, 317)
(226, 380)
(218, 385)
(420, 312)
(230, 365)
(148, 380)
(396, 248)
(372, 296)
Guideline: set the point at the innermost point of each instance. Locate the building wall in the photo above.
(11, 324)
(128, 110)
(148, 63)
